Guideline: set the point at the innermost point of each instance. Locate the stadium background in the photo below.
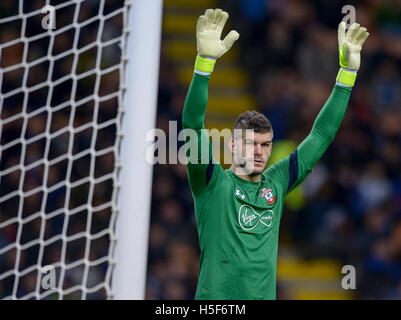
(348, 211)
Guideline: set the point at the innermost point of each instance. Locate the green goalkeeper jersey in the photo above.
(237, 220)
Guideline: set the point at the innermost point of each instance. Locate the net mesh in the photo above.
(61, 110)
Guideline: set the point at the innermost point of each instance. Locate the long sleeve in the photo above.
(193, 115)
(199, 167)
(323, 132)
(293, 169)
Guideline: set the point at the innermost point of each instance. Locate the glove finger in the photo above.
(361, 31)
(361, 40)
(230, 39)
(209, 14)
(352, 31)
(222, 21)
(216, 17)
(200, 26)
(341, 34)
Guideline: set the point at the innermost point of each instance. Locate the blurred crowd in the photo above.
(351, 208)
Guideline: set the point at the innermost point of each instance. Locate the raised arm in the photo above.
(295, 168)
(322, 134)
(209, 47)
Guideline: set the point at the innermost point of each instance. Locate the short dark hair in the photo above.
(253, 120)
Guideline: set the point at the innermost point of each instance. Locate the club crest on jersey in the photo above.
(268, 194)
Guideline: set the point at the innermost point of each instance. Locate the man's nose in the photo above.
(258, 149)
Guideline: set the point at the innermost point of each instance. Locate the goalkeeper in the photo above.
(238, 210)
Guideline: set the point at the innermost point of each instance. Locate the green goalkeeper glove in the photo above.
(349, 47)
(208, 42)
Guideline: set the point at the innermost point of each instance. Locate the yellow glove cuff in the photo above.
(346, 77)
(204, 66)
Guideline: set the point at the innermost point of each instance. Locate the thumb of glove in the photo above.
(229, 40)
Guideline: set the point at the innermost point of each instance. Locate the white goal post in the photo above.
(142, 78)
(78, 92)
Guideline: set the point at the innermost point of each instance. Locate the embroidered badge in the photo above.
(268, 194)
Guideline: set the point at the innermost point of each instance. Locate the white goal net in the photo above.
(61, 105)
